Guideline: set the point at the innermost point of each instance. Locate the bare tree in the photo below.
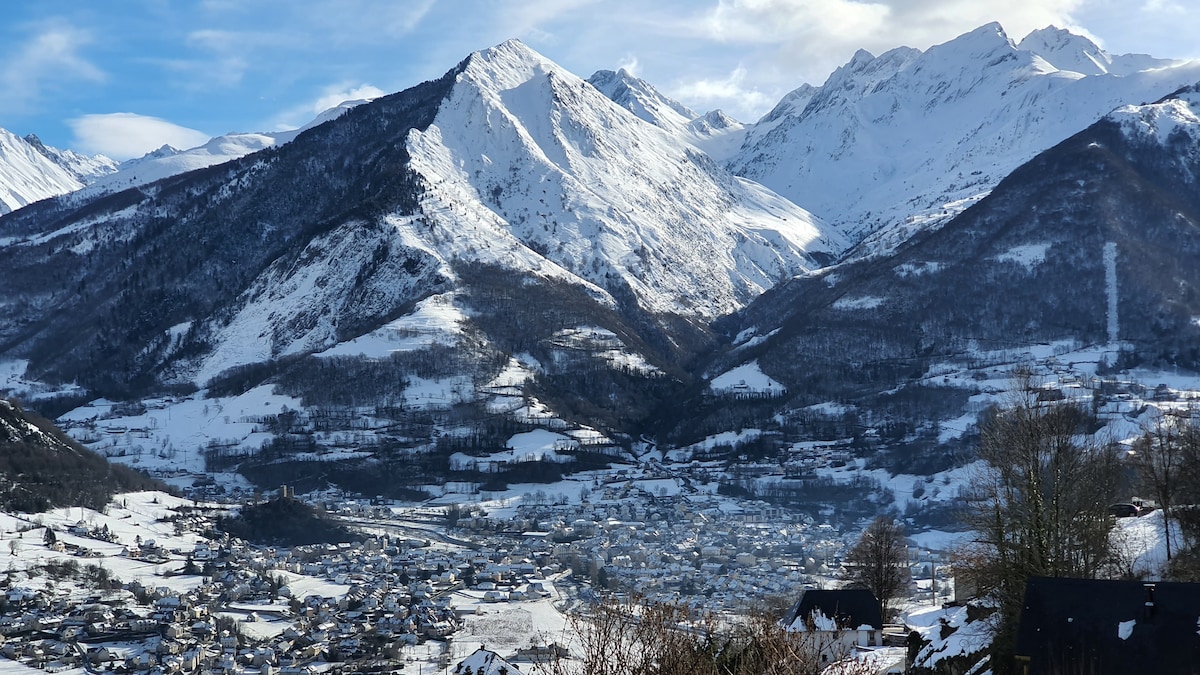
(879, 563)
(640, 637)
(1159, 455)
(1041, 505)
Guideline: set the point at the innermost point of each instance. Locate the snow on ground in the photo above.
(863, 302)
(530, 446)
(1144, 543)
(435, 320)
(684, 454)
(171, 433)
(130, 517)
(874, 660)
(14, 382)
(666, 487)
(968, 638)
(748, 378)
(1028, 255)
(539, 444)
(262, 628)
(605, 345)
(504, 627)
(438, 393)
(304, 586)
(10, 667)
(910, 490)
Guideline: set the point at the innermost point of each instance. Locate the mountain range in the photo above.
(511, 246)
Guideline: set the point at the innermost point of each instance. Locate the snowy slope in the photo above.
(27, 175)
(893, 144)
(523, 152)
(1067, 51)
(168, 161)
(86, 168)
(1171, 120)
(640, 98)
(714, 132)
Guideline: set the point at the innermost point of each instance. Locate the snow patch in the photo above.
(1028, 255)
(746, 378)
(858, 303)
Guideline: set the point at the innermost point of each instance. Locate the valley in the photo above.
(453, 367)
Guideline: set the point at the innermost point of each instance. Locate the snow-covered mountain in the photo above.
(554, 167)
(1086, 256)
(168, 161)
(642, 99)
(505, 228)
(84, 167)
(897, 143)
(714, 132)
(28, 174)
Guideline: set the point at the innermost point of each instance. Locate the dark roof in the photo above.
(852, 607)
(1084, 625)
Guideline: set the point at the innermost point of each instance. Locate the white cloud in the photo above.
(782, 44)
(330, 97)
(334, 98)
(629, 64)
(732, 93)
(50, 58)
(126, 135)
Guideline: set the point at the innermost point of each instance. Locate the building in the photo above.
(1098, 626)
(838, 620)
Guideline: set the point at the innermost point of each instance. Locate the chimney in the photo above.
(1148, 616)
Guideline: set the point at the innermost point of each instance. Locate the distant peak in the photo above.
(718, 117)
(992, 28)
(860, 57)
(640, 97)
(1055, 38)
(987, 37)
(1067, 51)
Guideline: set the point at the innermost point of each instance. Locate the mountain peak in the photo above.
(1076, 53)
(979, 44)
(642, 99)
(1067, 51)
(27, 174)
(511, 52)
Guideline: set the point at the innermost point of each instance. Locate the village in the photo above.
(150, 587)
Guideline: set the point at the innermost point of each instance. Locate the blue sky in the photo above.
(124, 76)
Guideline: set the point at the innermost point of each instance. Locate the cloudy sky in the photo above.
(125, 76)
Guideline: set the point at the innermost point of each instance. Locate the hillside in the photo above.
(43, 468)
(1087, 253)
(499, 249)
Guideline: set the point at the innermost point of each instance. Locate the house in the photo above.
(1098, 626)
(485, 662)
(837, 620)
